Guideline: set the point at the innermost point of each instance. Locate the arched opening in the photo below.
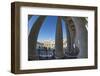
(46, 38)
(55, 37)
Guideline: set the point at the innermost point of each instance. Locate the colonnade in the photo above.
(76, 38)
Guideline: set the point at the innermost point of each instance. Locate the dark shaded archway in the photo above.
(81, 39)
(72, 50)
(77, 42)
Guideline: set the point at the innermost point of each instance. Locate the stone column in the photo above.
(81, 39)
(59, 40)
(71, 33)
(32, 38)
(68, 38)
(71, 28)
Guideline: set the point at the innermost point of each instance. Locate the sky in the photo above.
(31, 22)
(48, 28)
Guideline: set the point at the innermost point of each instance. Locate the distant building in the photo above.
(39, 45)
(50, 44)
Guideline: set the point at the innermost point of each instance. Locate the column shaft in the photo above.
(59, 40)
(32, 38)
